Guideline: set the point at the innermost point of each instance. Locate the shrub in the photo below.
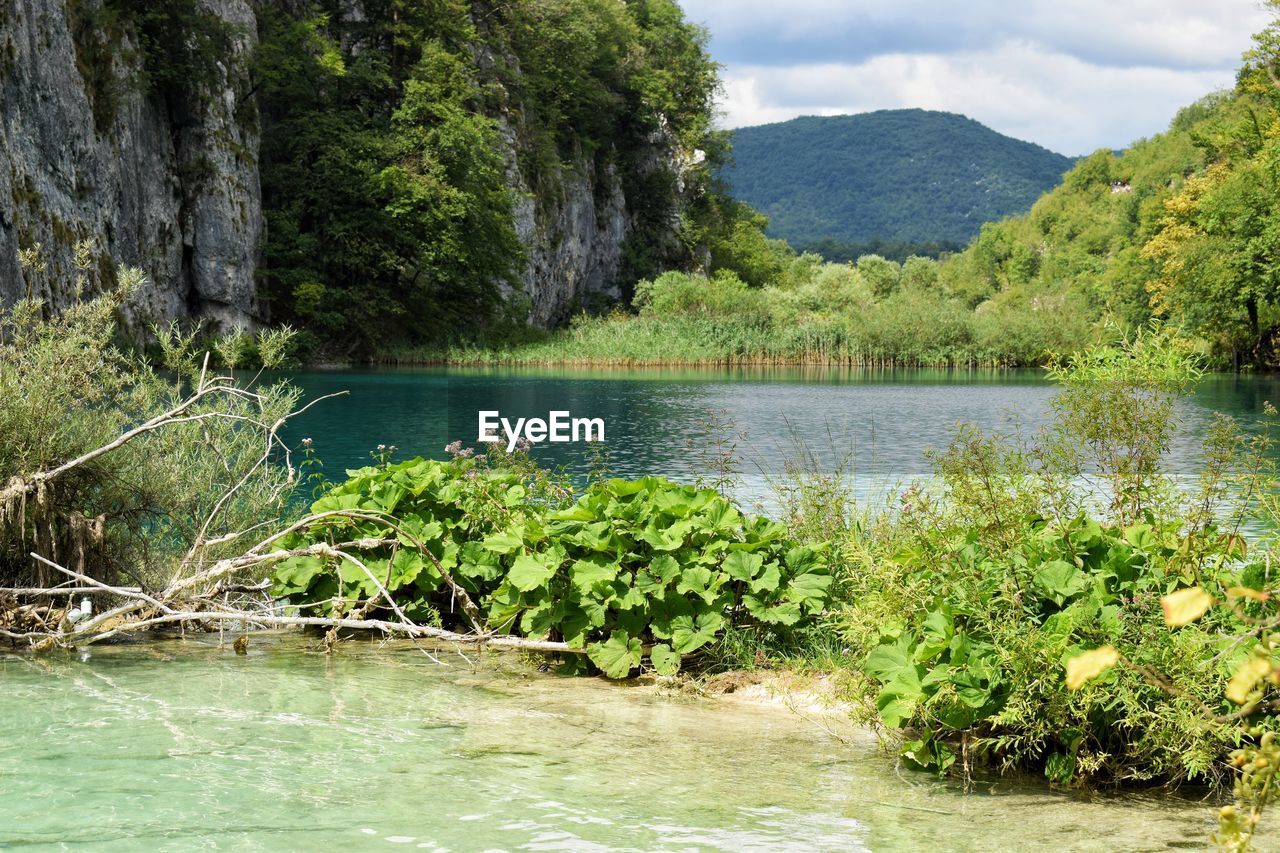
(67, 390)
(627, 569)
(721, 295)
(966, 599)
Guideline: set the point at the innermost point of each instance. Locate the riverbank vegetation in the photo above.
(875, 313)
(965, 618)
(1179, 227)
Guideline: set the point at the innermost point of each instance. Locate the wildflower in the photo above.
(306, 442)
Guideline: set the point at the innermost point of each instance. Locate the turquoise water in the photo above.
(657, 421)
(179, 745)
(182, 746)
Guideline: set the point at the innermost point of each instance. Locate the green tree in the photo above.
(881, 276)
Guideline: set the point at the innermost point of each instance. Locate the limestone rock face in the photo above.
(575, 234)
(573, 239)
(160, 177)
(163, 175)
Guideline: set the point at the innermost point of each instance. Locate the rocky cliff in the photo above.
(160, 177)
(162, 172)
(573, 240)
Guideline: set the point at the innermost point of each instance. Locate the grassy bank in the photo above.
(817, 314)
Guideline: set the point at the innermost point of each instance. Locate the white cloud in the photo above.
(1071, 76)
(1050, 98)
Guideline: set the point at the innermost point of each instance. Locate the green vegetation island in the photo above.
(506, 184)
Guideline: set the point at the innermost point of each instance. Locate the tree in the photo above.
(881, 276)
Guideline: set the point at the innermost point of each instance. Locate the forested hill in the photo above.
(913, 176)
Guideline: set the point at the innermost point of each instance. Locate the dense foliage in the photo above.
(969, 597)
(894, 175)
(388, 138)
(627, 569)
(67, 389)
(875, 313)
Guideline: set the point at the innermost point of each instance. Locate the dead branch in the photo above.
(190, 601)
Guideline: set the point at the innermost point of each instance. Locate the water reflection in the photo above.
(658, 419)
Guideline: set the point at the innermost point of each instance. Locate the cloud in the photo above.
(1168, 33)
(1070, 76)
(1016, 89)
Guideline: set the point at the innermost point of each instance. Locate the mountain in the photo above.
(912, 176)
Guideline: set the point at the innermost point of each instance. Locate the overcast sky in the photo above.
(1073, 76)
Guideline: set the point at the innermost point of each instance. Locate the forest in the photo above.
(908, 176)
(1178, 229)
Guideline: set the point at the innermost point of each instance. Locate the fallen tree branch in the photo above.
(185, 602)
(36, 591)
(407, 629)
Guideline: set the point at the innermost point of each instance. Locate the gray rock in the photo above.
(166, 182)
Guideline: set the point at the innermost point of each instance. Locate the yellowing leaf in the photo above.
(1185, 605)
(1246, 678)
(1087, 666)
(1245, 592)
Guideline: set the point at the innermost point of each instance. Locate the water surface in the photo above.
(182, 746)
(659, 420)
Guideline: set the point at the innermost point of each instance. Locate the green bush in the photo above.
(722, 295)
(67, 389)
(627, 569)
(967, 600)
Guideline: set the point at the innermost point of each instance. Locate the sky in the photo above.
(1071, 75)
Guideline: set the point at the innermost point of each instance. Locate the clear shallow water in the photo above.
(181, 746)
(657, 418)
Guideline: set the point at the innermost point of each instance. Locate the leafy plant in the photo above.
(626, 570)
(960, 597)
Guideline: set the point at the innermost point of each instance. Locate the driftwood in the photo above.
(200, 591)
(195, 601)
(202, 599)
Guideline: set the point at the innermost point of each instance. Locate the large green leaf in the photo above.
(692, 632)
(899, 697)
(617, 656)
(1060, 580)
(769, 578)
(505, 541)
(742, 566)
(295, 575)
(888, 659)
(587, 573)
(810, 590)
(698, 581)
(665, 660)
(530, 571)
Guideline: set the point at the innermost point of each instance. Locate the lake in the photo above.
(180, 746)
(659, 421)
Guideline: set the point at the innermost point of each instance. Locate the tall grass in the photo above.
(829, 318)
